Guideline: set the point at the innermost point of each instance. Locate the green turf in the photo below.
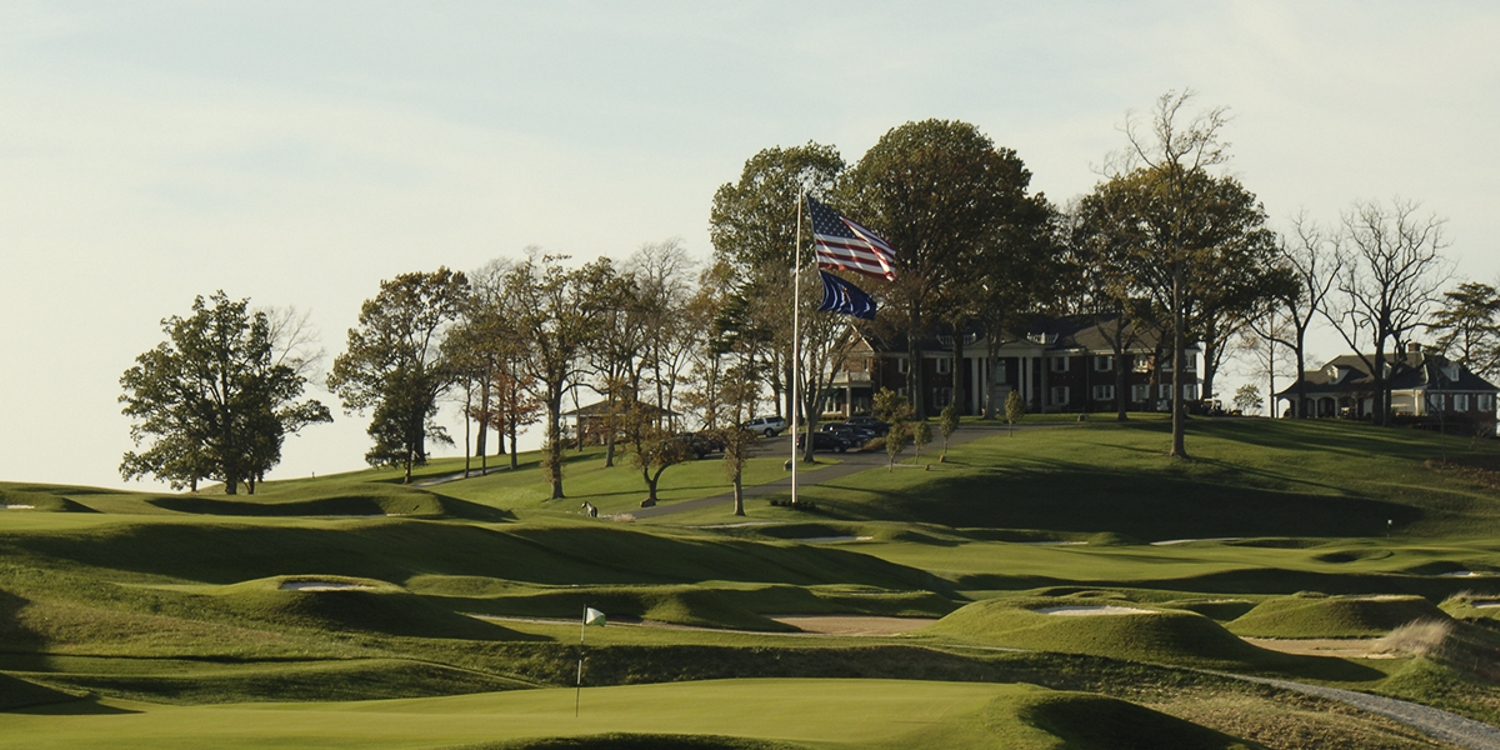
(808, 713)
(476, 585)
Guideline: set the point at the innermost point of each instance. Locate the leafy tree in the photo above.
(212, 399)
(890, 406)
(940, 192)
(921, 435)
(395, 366)
(1389, 285)
(1468, 327)
(1247, 399)
(947, 425)
(1015, 408)
(655, 447)
(557, 316)
(895, 442)
(1196, 244)
(753, 224)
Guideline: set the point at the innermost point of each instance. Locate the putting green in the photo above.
(833, 713)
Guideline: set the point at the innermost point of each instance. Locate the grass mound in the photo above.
(366, 500)
(1159, 635)
(715, 604)
(624, 741)
(368, 606)
(1312, 615)
(1084, 721)
(18, 501)
(278, 681)
(19, 693)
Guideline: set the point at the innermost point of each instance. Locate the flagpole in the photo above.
(796, 336)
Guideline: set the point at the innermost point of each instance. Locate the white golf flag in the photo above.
(593, 616)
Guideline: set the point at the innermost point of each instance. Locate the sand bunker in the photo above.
(829, 539)
(854, 624)
(17, 507)
(1487, 605)
(1464, 574)
(1085, 611)
(1053, 544)
(323, 586)
(1171, 542)
(1344, 648)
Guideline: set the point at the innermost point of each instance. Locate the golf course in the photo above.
(1297, 583)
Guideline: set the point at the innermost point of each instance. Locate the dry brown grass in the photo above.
(1418, 638)
(1289, 721)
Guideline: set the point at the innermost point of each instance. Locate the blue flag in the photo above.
(842, 297)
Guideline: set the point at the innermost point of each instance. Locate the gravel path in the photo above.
(1436, 723)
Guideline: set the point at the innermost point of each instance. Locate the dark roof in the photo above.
(1409, 371)
(1053, 333)
(601, 408)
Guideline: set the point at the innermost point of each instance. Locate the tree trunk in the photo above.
(1179, 345)
(554, 445)
(739, 495)
(513, 457)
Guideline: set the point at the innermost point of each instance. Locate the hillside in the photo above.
(353, 587)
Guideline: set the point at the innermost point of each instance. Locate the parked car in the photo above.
(870, 423)
(856, 436)
(701, 443)
(826, 441)
(767, 426)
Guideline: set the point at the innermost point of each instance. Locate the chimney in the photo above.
(1413, 348)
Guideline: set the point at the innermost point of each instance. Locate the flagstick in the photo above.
(796, 337)
(578, 691)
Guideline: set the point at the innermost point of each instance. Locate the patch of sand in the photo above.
(1344, 648)
(831, 539)
(1377, 598)
(323, 586)
(1053, 544)
(1085, 611)
(1170, 542)
(1464, 574)
(17, 507)
(1487, 605)
(854, 624)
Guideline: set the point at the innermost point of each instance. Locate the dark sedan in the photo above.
(826, 441)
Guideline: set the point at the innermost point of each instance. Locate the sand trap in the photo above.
(1377, 598)
(17, 507)
(1464, 574)
(1487, 605)
(1085, 611)
(829, 539)
(1170, 542)
(323, 586)
(1053, 544)
(1346, 648)
(854, 624)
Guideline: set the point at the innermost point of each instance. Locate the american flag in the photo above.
(841, 244)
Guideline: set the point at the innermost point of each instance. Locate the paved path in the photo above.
(1433, 722)
(853, 463)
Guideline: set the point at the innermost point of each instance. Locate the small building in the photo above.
(1426, 388)
(591, 422)
(1059, 364)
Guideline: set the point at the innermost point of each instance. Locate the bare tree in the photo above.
(1316, 259)
(1389, 285)
(1176, 148)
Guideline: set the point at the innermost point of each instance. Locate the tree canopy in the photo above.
(212, 400)
(395, 366)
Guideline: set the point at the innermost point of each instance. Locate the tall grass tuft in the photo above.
(1416, 638)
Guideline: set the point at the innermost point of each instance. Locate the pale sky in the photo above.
(298, 153)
